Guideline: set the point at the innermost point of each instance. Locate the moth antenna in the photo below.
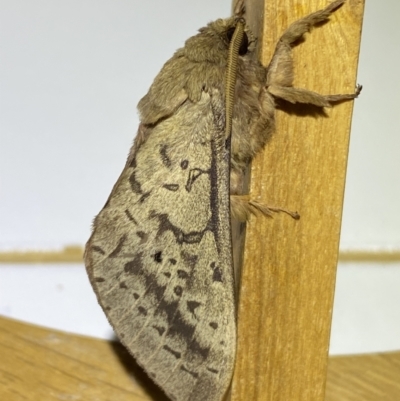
(231, 73)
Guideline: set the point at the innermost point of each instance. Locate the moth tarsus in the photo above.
(239, 8)
(160, 254)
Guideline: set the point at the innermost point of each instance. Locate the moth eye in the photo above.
(244, 46)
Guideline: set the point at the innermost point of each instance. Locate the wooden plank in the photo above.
(380, 256)
(69, 254)
(39, 364)
(73, 254)
(369, 377)
(289, 270)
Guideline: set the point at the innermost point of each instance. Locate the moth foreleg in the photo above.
(242, 206)
(280, 69)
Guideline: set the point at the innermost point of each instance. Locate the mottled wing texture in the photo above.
(160, 256)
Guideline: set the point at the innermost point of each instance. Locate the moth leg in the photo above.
(299, 95)
(239, 8)
(242, 207)
(280, 69)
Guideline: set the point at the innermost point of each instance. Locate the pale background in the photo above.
(71, 74)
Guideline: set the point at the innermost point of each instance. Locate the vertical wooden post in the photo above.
(288, 277)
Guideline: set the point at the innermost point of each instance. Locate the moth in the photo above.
(160, 254)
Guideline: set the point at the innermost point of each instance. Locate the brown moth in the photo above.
(160, 255)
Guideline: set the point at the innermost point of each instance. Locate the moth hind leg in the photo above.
(242, 207)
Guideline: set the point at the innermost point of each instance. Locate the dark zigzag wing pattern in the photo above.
(160, 257)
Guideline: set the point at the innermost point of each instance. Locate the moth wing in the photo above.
(160, 257)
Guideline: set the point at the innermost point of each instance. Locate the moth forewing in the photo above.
(159, 257)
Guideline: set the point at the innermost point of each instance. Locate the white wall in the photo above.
(371, 218)
(71, 74)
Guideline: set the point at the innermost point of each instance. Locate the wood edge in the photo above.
(74, 254)
(349, 375)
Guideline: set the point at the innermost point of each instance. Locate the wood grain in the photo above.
(73, 255)
(372, 377)
(39, 364)
(69, 254)
(288, 277)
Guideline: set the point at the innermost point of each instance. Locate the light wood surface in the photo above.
(38, 364)
(69, 254)
(288, 278)
(74, 254)
(371, 377)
